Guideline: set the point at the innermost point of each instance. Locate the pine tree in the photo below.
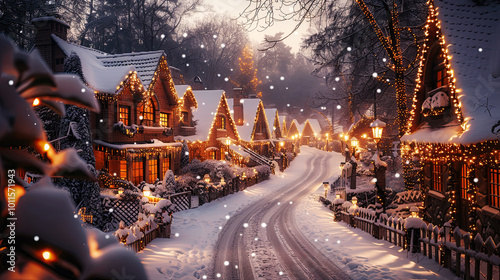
(246, 77)
(169, 183)
(74, 132)
(184, 154)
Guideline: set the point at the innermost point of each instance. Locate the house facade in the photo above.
(133, 135)
(252, 124)
(215, 128)
(451, 149)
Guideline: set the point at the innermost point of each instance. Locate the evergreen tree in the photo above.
(74, 132)
(184, 154)
(246, 76)
(169, 184)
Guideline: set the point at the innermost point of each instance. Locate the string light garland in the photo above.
(434, 24)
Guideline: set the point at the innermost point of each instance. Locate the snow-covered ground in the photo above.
(188, 253)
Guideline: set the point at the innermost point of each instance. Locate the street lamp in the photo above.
(354, 144)
(325, 186)
(327, 142)
(377, 129)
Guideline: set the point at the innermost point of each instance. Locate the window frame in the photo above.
(494, 187)
(221, 122)
(437, 176)
(127, 112)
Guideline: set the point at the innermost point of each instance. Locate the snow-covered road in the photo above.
(264, 242)
(191, 255)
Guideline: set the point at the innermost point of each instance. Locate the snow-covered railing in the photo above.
(407, 196)
(455, 250)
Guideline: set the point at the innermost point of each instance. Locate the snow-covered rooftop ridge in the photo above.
(472, 34)
(208, 102)
(96, 65)
(48, 18)
(145, 63)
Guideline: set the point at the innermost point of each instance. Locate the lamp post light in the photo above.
(377, 129)
(327, 135)
(354, 144)
(326, 185)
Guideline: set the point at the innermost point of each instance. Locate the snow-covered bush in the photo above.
(263, 172)
(129, 195)
(184, 154)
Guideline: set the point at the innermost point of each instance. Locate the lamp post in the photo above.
(377, 129)
(327, 142)
(354, 144)
(326, 185)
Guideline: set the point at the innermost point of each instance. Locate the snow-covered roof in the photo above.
(181, 90)
(472, 34)
(208, 101)
(145, 63)
(271, 115)
(250, 107)
(103, 72)
(315, 125)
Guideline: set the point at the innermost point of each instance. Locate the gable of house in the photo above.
(456, 86)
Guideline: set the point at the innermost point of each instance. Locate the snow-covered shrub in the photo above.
(129, 195)
(122, 233)
(263, 172)
(184, 154)
(336, 146)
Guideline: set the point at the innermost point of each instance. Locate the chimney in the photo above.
(50, 52)
(238, 106)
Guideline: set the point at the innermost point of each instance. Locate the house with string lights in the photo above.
(311, 130)
(252, 124)
(216, 134)
(453, 129)
(294, 130)
(284, 125)
(133, 135)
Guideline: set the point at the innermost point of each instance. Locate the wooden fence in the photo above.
(162, 231)
(455, 250)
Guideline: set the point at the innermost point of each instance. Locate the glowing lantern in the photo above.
(120, 190)
(206, 178)
(377, 129)
(354, 201)
(354, 142)
(414, 211)
(146, 191)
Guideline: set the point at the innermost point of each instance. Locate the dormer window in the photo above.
(221, 122)
(439, 72)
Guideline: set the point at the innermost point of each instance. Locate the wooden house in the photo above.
(295, 130)
(452, 134)
(133, 136)
(216, 130)
(311, 131)
(252, 124)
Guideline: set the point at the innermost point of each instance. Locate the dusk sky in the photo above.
(235, 8)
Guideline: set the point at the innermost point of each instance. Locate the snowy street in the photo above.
(190, 252)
